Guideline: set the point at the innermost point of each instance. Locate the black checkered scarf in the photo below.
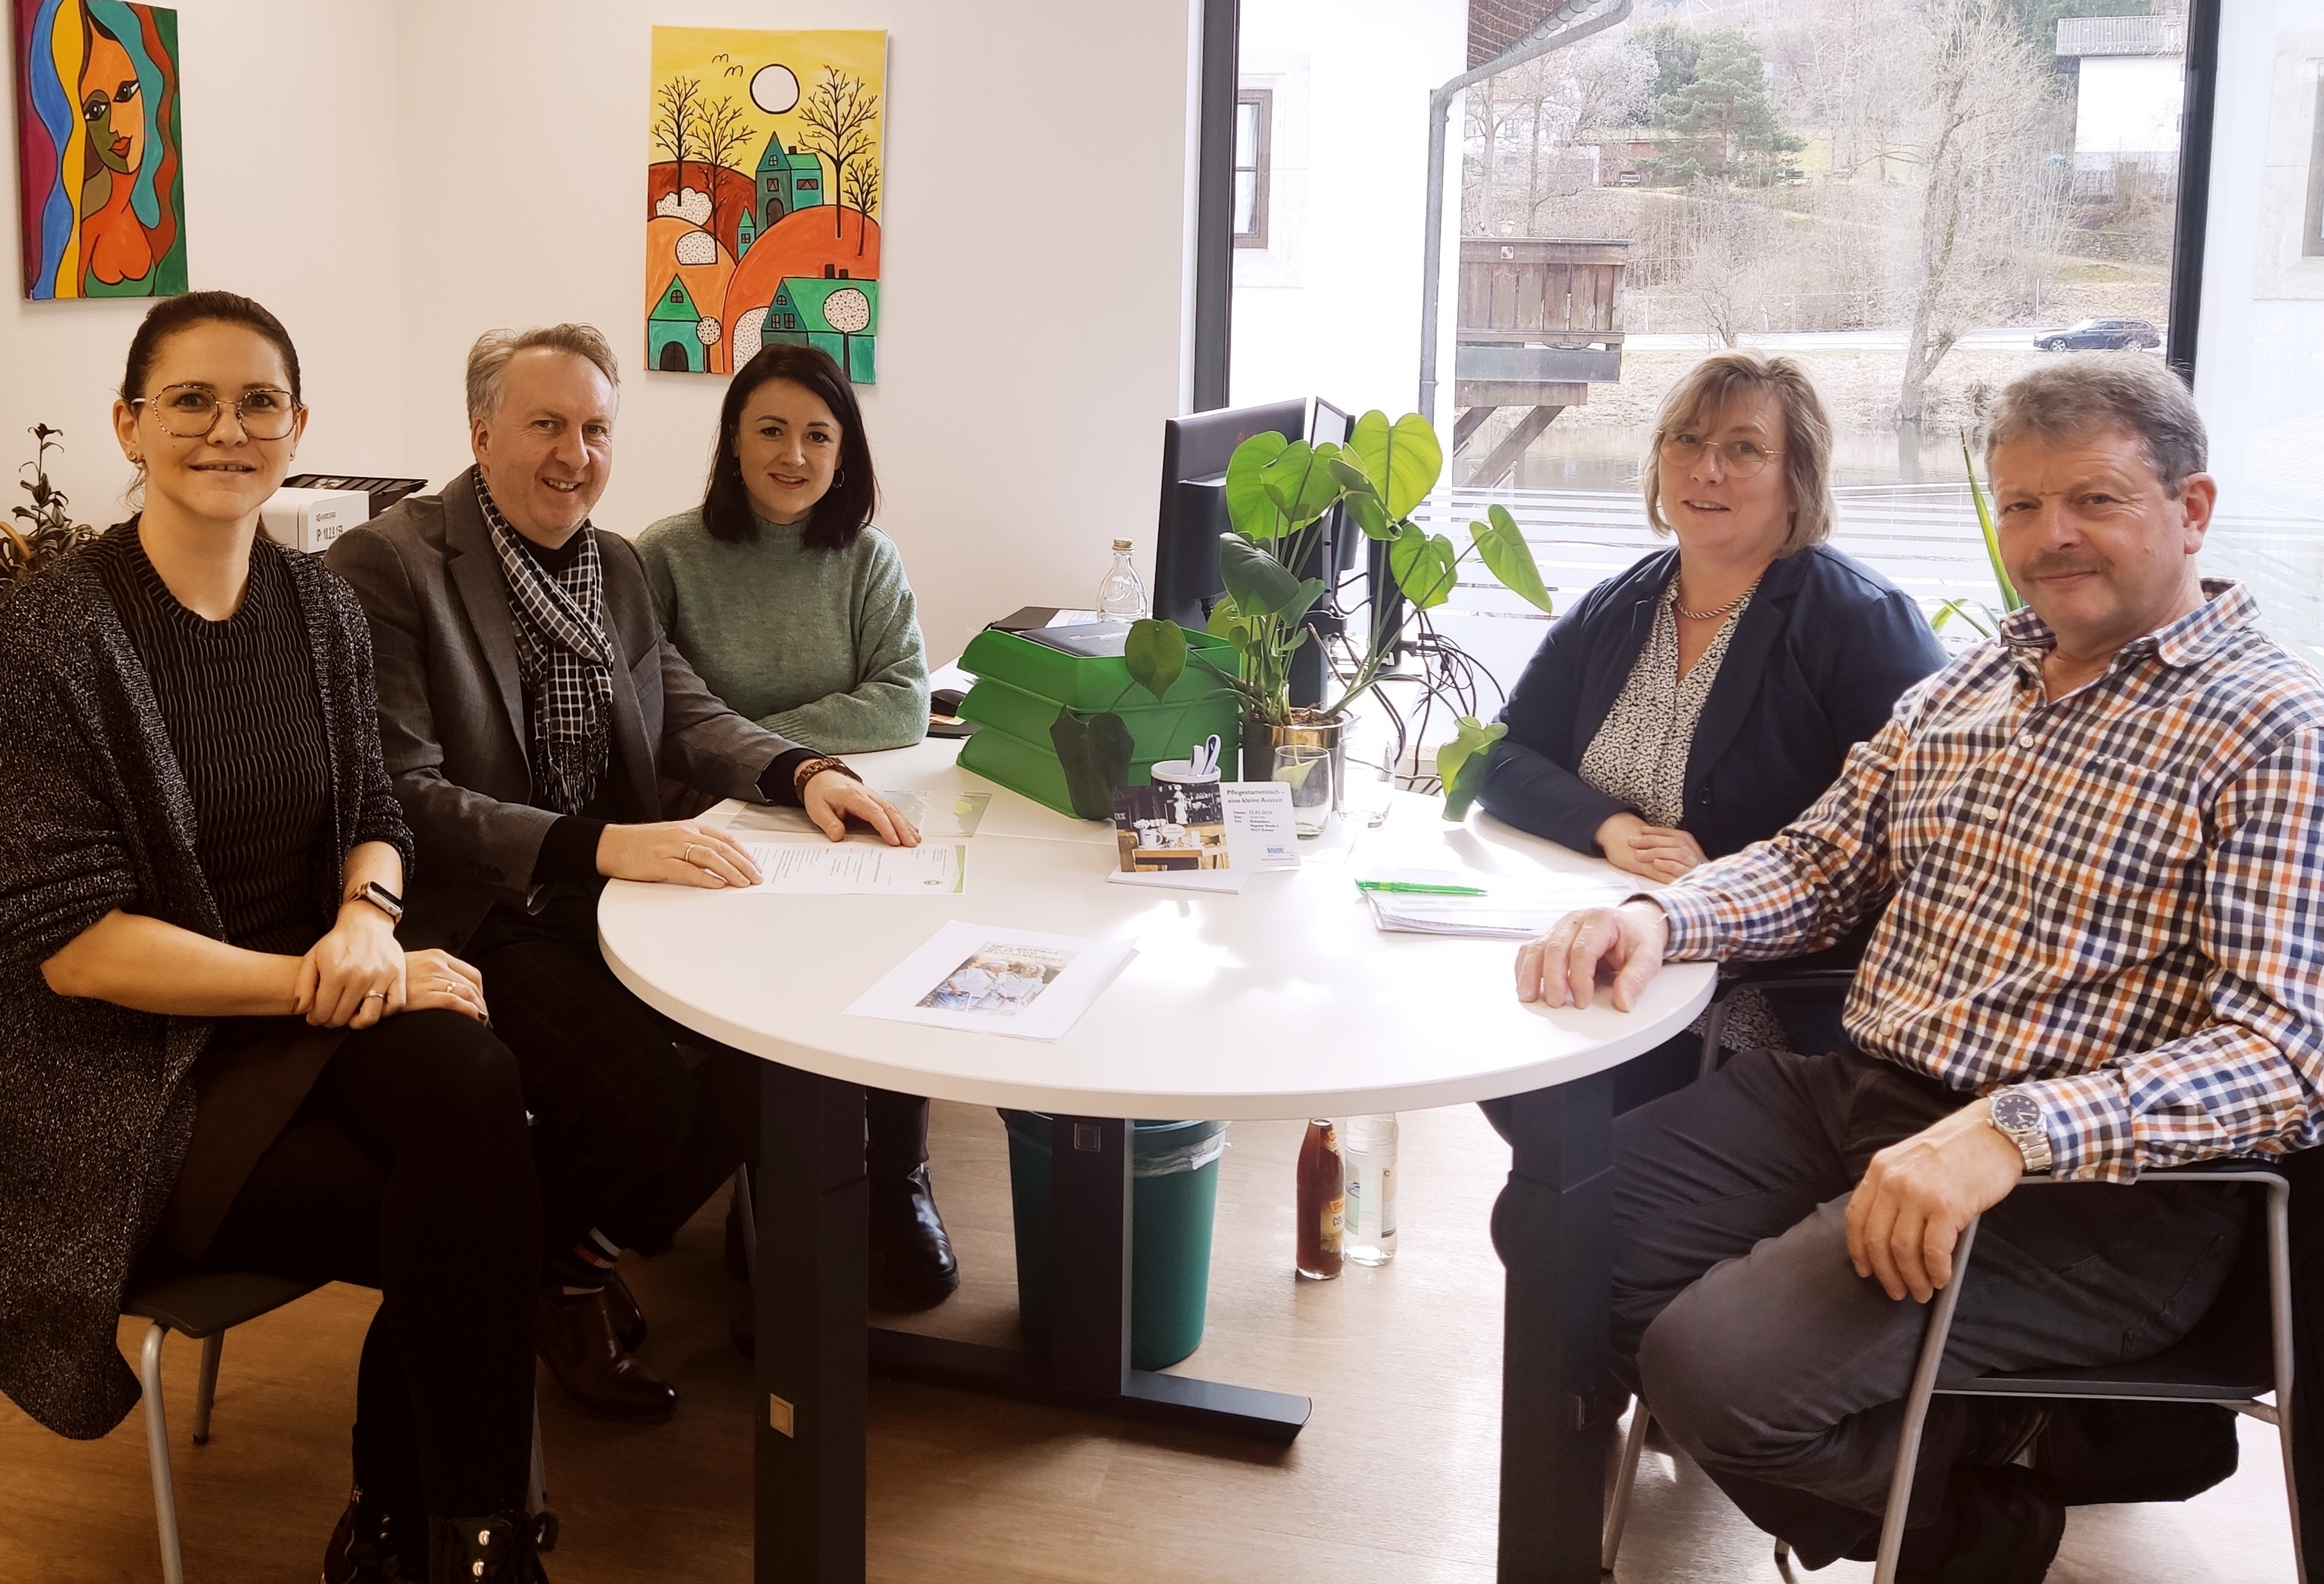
(566, 660)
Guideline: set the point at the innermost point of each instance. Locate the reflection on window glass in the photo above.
(1254, 110)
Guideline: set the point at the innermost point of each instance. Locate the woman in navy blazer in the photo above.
(1728, 677)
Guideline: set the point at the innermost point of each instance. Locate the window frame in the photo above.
(1262, 165)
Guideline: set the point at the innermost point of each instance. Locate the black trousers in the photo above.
(637, 1121)
(408, 1170)
(1738, 1317)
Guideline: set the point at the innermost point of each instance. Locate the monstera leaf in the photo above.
(1460, 763)
(1261, 585)
(1249, 511)
(1402, 459)
(1156, 654)
(1424, 566)
(1301, 483)
(1508, 557)
(1094, 751)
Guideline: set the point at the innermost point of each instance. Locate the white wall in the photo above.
(1331, 307)
(2129, 103)
(290, 188)
(393, 179)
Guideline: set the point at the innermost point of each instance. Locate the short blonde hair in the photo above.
(488, 359)
(1709, 387)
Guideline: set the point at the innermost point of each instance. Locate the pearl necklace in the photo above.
(1715, 613)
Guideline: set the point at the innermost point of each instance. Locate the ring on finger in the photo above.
(686, 856)
(369, 995)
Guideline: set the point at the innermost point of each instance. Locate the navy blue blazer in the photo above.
(1815, 665)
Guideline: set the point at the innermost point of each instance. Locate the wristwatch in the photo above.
(809, 769)
(379, 897)
(2018, 1116)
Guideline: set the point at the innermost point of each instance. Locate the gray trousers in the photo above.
(1739, 1318)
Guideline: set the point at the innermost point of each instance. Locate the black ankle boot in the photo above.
(500, 1548)
(911, 1251)
(376, 1544)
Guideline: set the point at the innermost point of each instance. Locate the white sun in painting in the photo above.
(775, 89)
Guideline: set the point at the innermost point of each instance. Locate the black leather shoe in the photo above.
(575, 1337)
(911, 1252)
(375, 1545)
(2007, 1526)
(629, 1319)
(498, 1548)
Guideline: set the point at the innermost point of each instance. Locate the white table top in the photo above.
(1281, 1001)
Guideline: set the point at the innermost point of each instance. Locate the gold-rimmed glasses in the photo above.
(191, 411)
(1740, 458)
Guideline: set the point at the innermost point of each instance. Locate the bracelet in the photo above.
(815, 767)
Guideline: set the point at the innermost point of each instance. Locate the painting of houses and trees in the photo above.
(763, 197)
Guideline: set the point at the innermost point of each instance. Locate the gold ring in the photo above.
(380, 994)
(686, 856)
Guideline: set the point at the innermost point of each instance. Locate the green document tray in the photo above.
(1021, 684)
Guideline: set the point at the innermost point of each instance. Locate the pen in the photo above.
(1412, 889)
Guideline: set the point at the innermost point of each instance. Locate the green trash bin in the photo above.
(1173, 1192)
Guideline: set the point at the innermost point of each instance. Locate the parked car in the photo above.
(2108, 333)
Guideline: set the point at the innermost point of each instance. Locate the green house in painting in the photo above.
(789, 180)
(673, 332)
(839, 314)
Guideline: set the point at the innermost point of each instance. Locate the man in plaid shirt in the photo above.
(2092, 847)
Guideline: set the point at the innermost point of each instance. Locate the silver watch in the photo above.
(2018, 1116)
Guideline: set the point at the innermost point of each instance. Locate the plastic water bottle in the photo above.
(1121, 597)
(1370, 1151)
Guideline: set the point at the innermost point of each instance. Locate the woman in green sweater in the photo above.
(777, 589)
(794, 608)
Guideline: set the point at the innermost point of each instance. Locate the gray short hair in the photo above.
(1718, 379)
(2090, 393)
(488, 359)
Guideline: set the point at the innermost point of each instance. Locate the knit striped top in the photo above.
(238, 700)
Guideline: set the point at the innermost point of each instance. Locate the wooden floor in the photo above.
(1393, 1480)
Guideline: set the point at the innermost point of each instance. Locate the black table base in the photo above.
(815, 1347)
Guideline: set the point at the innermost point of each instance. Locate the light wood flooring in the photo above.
(1393, 1480)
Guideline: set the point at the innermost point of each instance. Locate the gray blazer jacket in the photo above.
(452, 714)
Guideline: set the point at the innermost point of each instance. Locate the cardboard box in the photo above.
(310, 520)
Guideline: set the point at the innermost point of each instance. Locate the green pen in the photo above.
(1413, 889)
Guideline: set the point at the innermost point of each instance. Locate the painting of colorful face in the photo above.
(100, 178)
(762, 195)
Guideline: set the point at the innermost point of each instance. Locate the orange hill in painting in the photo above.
(801, 244)
(734, 194)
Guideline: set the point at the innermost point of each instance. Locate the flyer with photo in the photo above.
(1206, 835)
(989, 979)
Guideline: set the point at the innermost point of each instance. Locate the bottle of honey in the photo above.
(1323, 1203)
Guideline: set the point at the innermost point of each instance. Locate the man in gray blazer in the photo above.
(529, 709)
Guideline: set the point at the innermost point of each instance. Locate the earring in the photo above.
(839, 478)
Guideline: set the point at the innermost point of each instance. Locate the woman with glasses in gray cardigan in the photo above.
(214, 1055)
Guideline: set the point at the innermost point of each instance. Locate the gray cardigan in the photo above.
(96, 1108)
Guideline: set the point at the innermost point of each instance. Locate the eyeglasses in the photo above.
(191, 411)
(1742, 458)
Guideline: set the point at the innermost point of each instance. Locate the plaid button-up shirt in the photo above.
(2112, 897)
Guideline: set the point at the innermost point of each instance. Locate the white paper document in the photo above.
(858, 869)
(1511, 909)
(987, 979)
(939, 816)
(1254, 831)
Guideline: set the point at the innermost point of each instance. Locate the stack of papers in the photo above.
(857, 869)
(1484, 905)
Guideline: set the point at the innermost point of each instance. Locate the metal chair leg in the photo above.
(1916, 1410)
(1626, 1476)
(206, 1390)
(747, 1210)
(2280, 1339)
(536, 1489)
(157, 1451)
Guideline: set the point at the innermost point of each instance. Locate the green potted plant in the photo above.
(49, 530)
(1278, 493)
(1981, 618)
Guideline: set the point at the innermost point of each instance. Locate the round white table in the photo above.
(1281, 1001)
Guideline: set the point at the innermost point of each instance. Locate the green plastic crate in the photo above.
(1088, 684)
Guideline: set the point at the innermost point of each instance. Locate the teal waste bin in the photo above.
(1174, 1193)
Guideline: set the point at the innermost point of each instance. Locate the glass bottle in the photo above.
(1370, 1155)
(1121, 596)
(1323, 1204)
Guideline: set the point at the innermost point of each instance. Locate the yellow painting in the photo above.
(763, 196)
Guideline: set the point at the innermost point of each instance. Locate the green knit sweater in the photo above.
(822, 645)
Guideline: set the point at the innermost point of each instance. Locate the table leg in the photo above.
(1553, 1229)
(1087, 1362)
(813, 1267)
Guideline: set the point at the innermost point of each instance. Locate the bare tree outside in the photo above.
(839, 114)
(676, 129)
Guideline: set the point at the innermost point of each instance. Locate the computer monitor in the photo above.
(1195, 450)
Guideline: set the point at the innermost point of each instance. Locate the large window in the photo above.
(1916, 198)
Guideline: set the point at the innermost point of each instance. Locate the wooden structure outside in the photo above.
(1539, 322)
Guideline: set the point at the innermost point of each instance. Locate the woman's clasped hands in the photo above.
(1654, 852)
(357, 974)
